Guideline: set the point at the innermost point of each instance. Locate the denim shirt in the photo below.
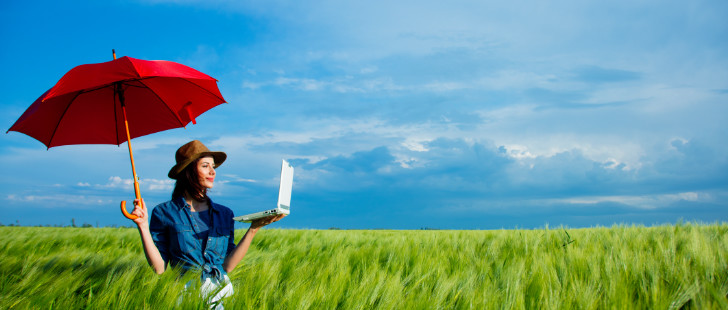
(173, 230)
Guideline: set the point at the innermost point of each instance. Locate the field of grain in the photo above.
(620, 267)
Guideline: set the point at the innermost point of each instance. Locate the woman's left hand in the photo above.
(266, 220)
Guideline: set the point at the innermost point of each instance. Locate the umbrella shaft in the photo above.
(131, 154)
(119, 91)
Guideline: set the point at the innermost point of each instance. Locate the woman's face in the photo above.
(206, 171)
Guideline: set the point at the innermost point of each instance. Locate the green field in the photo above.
(619, 267)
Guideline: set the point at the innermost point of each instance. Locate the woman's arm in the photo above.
(150, 249)
(232, 260)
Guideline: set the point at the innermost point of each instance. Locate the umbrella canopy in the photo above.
(85, 106)
(115, 101)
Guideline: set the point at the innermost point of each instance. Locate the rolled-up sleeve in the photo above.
(160, 233)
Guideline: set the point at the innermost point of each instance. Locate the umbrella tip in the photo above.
(113, 52)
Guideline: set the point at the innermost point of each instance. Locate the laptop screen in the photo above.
(284, 191)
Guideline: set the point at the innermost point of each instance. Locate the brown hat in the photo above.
(190, 152)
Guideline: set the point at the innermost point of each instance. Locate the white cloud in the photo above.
(316, 129)
(640, 201)
(235, 178)
(369, 69)
(345, 84)
(446, 86)
(302, 84)
(518, 152)
(509, 79)
(116, 182)
(62, 200)
(252, 85)
(415, 145)
(157, 185)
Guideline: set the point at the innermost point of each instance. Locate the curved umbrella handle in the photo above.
(138, 197)
(126, 213)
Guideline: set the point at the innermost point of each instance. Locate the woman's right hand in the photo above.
(140, 211)
(266, 220)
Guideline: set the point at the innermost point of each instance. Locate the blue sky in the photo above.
(402, 115)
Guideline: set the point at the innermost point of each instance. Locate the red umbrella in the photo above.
(96, 103)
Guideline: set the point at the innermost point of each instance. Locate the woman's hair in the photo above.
(189, 182)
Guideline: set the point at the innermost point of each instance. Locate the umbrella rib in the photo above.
(58, 124)
(116, 119)
(95, 88)
(140, 80)
(205, 89)
(162, 101)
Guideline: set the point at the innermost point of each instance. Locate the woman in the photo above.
(190, 231)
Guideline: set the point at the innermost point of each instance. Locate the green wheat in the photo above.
(619, 267)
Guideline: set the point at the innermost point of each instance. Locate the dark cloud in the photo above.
(688, 165)
(461, 182)
(483, 168)
(366, 162)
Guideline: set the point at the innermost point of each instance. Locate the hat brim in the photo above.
(178, 168)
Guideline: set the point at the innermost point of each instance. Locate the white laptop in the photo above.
(284, 197)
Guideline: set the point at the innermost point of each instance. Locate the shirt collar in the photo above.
(180, 203)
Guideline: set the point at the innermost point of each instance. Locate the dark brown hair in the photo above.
(189, 182)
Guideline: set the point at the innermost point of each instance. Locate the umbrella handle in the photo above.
(126, 213)
(138, 197)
